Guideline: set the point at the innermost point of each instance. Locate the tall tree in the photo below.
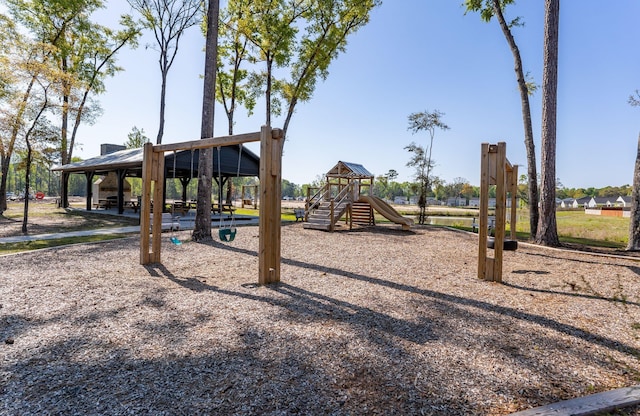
(88, 59)
(327, 26)
(136, 138)
(83, 51)
(634, 224)
(488, 9)
(168, 19)
(231, 77)
(233, 51)
(59, 24)
(547, 227)
(10, 41)
(93, 57)
(429, 122)
(303, 36)
(271, 27)
(39, 125)
(419, 162)
(25, 61)
(202, 227)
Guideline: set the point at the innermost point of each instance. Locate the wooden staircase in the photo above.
(362, 214)
(324, 213)
(320, 218)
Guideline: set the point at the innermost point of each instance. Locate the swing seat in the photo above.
(175, 241)
(227, 234)
(507, 245)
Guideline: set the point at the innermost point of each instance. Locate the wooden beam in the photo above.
(216, 141)
(598, 403)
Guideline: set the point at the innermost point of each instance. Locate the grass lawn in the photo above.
(575, 227)
(578, 228)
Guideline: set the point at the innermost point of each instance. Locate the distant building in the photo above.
(457, 202)
(623, 201)
(600, 202)
(581, 202)
(400, 200)
(567, 203)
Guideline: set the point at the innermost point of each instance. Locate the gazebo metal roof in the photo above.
(186, 163)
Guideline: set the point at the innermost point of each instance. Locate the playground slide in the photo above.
(387, 211)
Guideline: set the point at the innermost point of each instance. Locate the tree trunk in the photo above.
(547, 228)
(27, 179)
(268, 90)
(4, 161)
(529, 144)
(163, 93)
(15, 129)
(202, 228)
(634, 225)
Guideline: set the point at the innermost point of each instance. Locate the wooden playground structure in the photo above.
(153, 178)
(348, 194)
(496, 170)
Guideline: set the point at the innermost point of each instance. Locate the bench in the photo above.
(133, 205)
(219, 209)
(299, 213)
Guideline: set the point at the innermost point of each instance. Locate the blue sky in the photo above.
(418, 55)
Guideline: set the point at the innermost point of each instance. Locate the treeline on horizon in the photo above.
(384, 187)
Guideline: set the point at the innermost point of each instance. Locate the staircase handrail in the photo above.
(345, 194)
(315, 199)
(338, 204)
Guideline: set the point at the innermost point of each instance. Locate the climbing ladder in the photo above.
(362, 214)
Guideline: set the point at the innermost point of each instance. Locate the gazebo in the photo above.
(182, 165)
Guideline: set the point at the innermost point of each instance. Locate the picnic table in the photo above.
(216, 208)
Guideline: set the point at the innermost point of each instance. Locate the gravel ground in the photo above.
(370, 321)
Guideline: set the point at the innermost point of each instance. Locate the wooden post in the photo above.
(513, 190)
(145, 201)
(501, 205)
(157, 175)
(483, 215)
(270, 204)
(152, 181)
(494, 170)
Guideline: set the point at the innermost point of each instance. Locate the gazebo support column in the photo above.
(64, 190)
(121, 174)
(89, 176)
(185, 183)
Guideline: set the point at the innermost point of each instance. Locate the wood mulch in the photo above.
(370, 321)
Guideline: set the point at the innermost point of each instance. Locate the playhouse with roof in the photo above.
(348, 194)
